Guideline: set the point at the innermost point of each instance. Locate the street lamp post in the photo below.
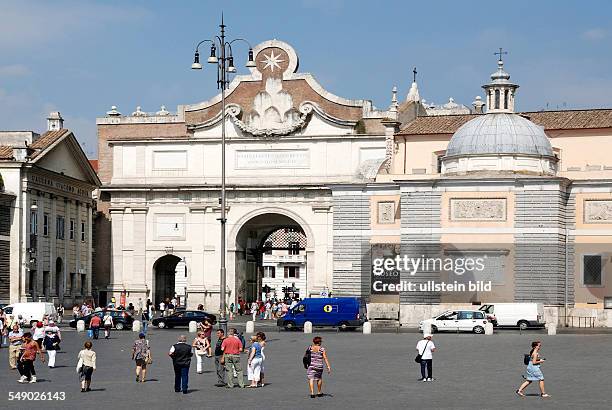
(225, 66)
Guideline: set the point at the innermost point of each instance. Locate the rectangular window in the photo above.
(292, 272)
(592, 270)
(72, 226)
(82, 231)
(294, 248)
(60, 226)
(268, 248)
(269, 272)
(33, 222)
(46, 224)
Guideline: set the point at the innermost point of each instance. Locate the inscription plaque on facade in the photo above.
(478, 209)
(386, 212)
(271, 159)
(598, 211)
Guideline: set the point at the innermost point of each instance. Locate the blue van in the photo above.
(345, 313)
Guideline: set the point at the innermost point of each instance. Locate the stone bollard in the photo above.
(250, 327)
(367, 328)
(136, 326)
(193, 326)
(552, 329)
(307, 327)
(427, 328)
(80, 326)
(488, 328)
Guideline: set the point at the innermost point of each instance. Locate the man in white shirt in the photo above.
(162, 308)
(425, 348)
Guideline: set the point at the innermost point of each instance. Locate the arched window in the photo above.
(497, 99)
(506, 99)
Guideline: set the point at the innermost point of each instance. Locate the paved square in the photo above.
(369, 371)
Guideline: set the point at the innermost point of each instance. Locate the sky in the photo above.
(80, 57)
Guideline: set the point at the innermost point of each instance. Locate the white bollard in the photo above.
(367, 328)
(307, 327)
(193, 326)
(80, 326)
(488, 328)
(552, 329)
(250, 327)
(427, 328)
(136, 326)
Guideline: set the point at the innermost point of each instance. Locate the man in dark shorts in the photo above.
(219, 363)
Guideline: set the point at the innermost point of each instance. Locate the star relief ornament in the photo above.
(272, 61)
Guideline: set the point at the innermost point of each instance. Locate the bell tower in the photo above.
(55, 122)
(500, 91)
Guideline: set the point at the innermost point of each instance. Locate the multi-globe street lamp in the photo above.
(225, 66)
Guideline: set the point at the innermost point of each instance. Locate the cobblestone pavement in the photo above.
(369, 371)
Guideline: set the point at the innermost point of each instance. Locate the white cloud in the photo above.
(595, 34)
(14, 70)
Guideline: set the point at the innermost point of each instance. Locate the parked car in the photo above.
(31, 311)
(457, 320)
(182, 318)
(122, 319)
(523, 315)
(345, 313)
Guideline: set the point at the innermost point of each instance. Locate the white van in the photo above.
(523, 315)
(32, 311)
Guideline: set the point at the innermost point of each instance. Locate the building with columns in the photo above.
(46, 206)
(288, 141)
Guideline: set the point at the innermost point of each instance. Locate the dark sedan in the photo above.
(122, 319)
(182, 318)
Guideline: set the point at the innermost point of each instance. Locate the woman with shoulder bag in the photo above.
(318, 356)
(534, 373)
(201, 346)
(141, 353)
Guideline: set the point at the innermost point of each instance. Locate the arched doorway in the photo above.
(164, 279)
(271, 256)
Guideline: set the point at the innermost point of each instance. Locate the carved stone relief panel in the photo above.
(598, 211)
(463, 209)
(386, 212)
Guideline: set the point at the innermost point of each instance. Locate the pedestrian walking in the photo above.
(94, 325)
(254, 362)
(262, 341)
(254, 309)
(219, 361)
(25, 364)
(200, 345)
(206, 327)
(314, 358)
(108, 324)
(425, 349)
(141, 354)
(162, 309)
(232, 346)
(534, 372)
(38, 333)
(60, 313)
(86, 365)
(145, 321)
(51, 343)
(181, 360)
(15, 341)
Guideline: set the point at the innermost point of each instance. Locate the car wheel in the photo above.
(523, 325)
(289, 325)
(343, 326)
(434, 329)
(479, 330)
(119, 326)
(161, 324)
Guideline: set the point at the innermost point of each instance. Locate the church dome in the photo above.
(499, 133)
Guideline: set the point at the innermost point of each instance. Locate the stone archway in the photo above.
(254, 240)
(164, 274)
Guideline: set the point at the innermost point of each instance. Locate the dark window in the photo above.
(32, 282)
(294, 248)
(268, 248)
(466, 315)
(591, 271)
(497, 99)
(33, 222)
(478, 315)
(82, 231)
(72, 226)
(506, 99)
(292, 272)
(60, 226)
(46, 224)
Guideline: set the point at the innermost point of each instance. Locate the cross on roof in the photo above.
(414, 73)
(500, 53)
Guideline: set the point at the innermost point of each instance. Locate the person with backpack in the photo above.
(141, 354)
(425, 349)
(533, 361)
(314, 358)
